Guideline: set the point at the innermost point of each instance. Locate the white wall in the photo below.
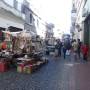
(11, 9)
(41, 29)
(10, 2)
(6, 23)
(79, 5)
(8, 19)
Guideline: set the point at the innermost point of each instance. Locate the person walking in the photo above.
(75, 46)
(59, 48)
(85, 50)
(64, 51)
(56, 48)
(79, 48)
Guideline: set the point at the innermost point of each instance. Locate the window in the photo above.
(15, 4)
(31, 18)
(37, 23)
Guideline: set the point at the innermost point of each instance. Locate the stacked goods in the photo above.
(30, 66)
(20, 67)
(7, 43)
(30, 63)
(27, 69)
(4, 65)
(26, 66)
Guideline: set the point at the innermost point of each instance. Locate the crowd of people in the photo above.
(71, 46)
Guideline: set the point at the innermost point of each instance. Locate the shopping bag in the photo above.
(68, 52)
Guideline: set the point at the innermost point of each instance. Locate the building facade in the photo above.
(17, 16)
(82, 23)
(29, 24)
(50, 34)
(86, 21)
(49, 30)
(73, 19)
(33, 23)
(11, 16)
(78, 25)
(82, 20)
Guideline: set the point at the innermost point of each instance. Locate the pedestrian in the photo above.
(75, 46)
(85, 50)
(56, 48)
(64, 51)
(69, 46)
(59, 48)
(79, 48)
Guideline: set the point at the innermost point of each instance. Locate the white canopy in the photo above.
(12, 33)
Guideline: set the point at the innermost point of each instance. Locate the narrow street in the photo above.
(58, 74)
(33, 29)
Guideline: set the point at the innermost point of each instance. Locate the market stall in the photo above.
(22, 52)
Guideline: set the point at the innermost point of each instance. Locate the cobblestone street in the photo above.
(58, 74)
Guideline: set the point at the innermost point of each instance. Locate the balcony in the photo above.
(10, 8)
(86, 9)
(74, 11)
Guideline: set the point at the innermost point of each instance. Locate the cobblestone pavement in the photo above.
(58, 74)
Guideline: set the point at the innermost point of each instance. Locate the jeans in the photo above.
(64, 54)
(85, 57)
(59, 52)
(78, 52)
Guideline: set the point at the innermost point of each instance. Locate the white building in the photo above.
(50, 34)
(41, 27)
(19, 16)
(29, 24)
(11, 16)
(78, 33)
(33, 23)
(86, 22)
(49, 30)
(73, 19)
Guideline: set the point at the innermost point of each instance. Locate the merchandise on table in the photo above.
(28, 69)
(20, 67)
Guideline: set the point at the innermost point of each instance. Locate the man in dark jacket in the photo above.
(59, 47)
(79, 48)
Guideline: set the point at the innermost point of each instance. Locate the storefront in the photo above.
(86, 17)
(87, 31)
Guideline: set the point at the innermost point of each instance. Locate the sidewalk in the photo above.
(81, 74)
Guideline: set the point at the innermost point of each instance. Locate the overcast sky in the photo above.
(55, 11)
